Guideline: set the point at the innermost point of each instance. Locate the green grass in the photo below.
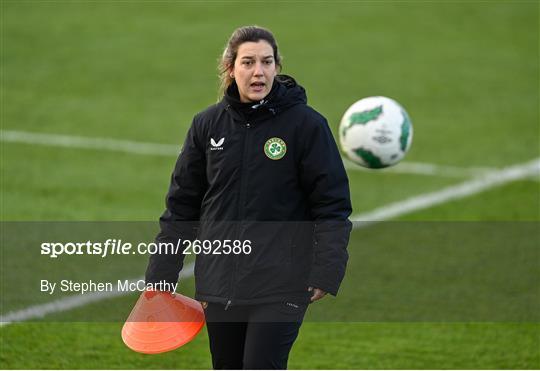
(417, 346)
(319, 346)
(90, 185)
(141, 71)
(467, 73)
(517, 201)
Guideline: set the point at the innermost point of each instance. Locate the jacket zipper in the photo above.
(243, 176)
(241, 212)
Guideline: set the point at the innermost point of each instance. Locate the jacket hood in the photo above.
(285, 93)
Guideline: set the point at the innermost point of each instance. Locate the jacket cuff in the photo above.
(322, 280)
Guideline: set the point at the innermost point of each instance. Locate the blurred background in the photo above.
(96, 98)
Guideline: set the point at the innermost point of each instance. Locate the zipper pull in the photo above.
(227, 306)
(248, 125)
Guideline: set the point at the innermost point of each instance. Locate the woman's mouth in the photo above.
(257, 86)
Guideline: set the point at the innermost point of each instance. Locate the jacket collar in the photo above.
(232, 98)
(284, 94)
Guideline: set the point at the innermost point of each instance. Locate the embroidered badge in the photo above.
(275, 148)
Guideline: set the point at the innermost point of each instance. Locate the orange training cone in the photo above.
(161, 321)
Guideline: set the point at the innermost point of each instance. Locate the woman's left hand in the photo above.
(317, 293)
(204, 304)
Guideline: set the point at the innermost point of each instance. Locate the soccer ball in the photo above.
(375, 132)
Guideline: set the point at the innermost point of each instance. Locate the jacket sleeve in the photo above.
(183, 202)
(325, 182)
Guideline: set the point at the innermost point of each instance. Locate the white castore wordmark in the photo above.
(217, 146)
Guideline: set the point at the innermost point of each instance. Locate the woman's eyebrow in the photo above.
(253, 57)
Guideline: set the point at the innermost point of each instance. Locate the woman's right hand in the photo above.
(317, 293)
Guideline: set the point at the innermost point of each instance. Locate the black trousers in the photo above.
(256, 337)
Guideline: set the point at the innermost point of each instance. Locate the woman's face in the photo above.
(254, 70)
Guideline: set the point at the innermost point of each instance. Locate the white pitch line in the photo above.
(159, 149)
(423, 169)
(73, 301)
(70, 141)
(470, 187)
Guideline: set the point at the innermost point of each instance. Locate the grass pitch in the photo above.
(466, 72)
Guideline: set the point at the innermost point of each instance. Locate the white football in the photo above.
(375, 132)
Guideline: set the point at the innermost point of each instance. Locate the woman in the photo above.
(261, 170)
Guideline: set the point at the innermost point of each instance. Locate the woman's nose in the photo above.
(258, 69)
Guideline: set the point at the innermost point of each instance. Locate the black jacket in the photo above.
(228, 184)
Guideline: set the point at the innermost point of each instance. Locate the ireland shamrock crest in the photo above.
(275, 148)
